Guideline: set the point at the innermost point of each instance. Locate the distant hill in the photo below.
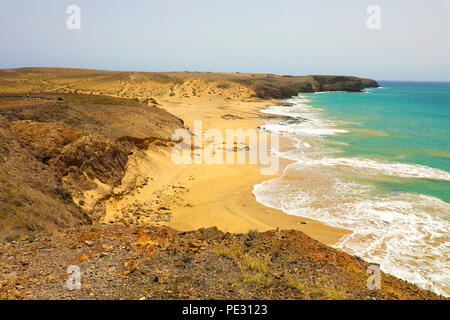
(142, 85)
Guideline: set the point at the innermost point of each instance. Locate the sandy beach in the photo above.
(192, 196)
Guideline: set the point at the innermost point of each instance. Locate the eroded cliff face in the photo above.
(282, 87)
(340, 83)
(55, 148)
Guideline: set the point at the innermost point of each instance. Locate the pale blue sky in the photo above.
(279, 36)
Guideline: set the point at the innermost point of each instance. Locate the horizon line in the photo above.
(229, 72)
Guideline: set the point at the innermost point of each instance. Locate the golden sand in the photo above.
(194, 196)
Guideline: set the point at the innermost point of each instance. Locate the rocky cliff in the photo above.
(55, 148)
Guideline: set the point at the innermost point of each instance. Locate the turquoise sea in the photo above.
(376, 163)
(405, 122)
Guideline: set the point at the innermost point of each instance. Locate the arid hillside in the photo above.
(54, 148)
(142, 85)
(161, 263)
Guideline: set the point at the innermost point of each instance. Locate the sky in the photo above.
(278, 36)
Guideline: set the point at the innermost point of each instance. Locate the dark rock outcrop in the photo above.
(285, 87)
(340, 83)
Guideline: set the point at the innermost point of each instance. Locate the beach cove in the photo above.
(219, 195)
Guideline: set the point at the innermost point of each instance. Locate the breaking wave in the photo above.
(407, 234)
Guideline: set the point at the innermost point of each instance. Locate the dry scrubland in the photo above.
(86, 178)
(160, 263)
(142, 85)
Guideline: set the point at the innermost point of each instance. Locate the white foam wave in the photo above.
(407, 234)
(309, 120)
(322, 92)
(398, 232)
(313, 125)
(403, 170)
(308, 130)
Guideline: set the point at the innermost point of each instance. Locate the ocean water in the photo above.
(376, 163)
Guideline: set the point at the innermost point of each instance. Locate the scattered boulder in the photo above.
(230, 117)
